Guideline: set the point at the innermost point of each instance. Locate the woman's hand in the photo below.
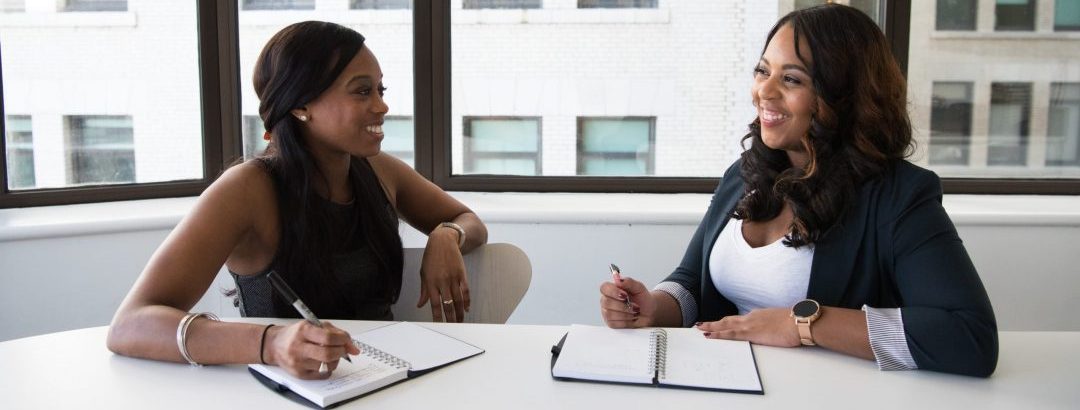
(302, 348)
(614, 309)
(442, 277)
(769, 327)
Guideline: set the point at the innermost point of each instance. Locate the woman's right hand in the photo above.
(614, 309)
(301, 348)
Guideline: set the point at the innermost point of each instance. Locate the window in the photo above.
(501, 4)
(1014, 15)
(502, 146)
(956, 15)
(95, 5)
(253, 135)
(616, 4)
(399, 140)
(100, 150)
(1063, 136)
(950, 124)
(20, 152)
(616, 146)
(1010, 118)
(12, 6)
(279, 5)
(380, 4)
(122, 92)
(870, 7)
(1067, 15)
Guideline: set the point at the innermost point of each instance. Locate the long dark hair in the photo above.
(297, 65)
(861, 125)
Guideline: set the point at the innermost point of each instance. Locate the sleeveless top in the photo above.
(353, 265)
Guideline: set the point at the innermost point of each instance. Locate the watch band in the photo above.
(460, 231)
(806, 312)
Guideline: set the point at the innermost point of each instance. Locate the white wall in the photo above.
(69, 267)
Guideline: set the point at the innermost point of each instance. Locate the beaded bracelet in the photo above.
(181, 334)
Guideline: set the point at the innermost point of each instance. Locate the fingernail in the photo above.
(697, 324)
(707, 334)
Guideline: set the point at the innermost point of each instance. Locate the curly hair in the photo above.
(860, 127)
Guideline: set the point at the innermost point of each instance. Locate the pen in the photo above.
(616, 275)
(291, 297)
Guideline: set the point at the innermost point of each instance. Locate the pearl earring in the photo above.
(303, 118)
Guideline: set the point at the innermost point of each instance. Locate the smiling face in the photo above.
(348, 116)
(783, 93)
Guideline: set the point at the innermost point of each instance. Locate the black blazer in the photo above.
(896, 247)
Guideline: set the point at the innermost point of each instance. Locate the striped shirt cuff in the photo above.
(686, 301)
(887, 339)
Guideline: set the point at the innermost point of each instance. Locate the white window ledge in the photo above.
(519, 208)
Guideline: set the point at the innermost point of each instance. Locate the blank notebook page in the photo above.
(616, 355)
(695, 361)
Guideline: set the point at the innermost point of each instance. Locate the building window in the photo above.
(1010, 115)
(1067, 15)
(502, 145)
(616, 4)
(1063, 134)
(95, 5)
(400, 140)
(380, 4)
(616, 146)
(20, 152)
(869, 7)
(100, 149)
(1014, 15)
(950, 123)
(12, 6)
(501, 4)
(278, 5)
(956, 15)
(253, 131)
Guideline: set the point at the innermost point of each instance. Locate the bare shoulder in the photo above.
(243, 190)
(394, 174)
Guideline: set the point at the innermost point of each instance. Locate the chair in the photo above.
(499, 275)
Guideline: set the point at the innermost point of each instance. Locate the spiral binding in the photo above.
(658, 351)
(379, 355)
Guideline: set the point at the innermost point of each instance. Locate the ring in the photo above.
(448, 302)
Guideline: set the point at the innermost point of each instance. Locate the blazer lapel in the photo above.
(834, 255)
(718, 217)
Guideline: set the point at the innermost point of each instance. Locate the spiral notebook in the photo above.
(388, 355)
(665, 357)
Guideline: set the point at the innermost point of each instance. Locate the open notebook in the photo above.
(665, 357)
(388, 354)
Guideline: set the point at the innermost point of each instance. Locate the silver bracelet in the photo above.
(181, 334)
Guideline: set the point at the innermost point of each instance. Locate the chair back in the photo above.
(499, 274)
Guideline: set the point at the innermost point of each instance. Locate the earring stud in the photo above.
(303, 118)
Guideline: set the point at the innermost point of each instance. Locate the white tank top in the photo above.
(770, 276)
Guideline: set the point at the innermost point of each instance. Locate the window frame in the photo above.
(218, 46)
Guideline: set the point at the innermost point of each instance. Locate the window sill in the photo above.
(1005, 35)
(518, 208)
(68, 19)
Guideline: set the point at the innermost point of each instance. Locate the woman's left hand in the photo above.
(442, 277)
(770, 327)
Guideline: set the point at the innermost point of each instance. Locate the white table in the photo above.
(73, 369)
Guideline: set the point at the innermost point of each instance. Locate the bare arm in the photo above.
(179, 273)
(425, 206)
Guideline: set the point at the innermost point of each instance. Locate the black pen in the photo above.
(290, 296)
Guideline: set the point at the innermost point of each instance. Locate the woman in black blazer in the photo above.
(823, 200)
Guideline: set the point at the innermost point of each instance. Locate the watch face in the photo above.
(805, 308)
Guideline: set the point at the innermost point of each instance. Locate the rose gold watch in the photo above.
(806, 312)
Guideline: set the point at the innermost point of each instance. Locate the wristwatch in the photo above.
(806, 312)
